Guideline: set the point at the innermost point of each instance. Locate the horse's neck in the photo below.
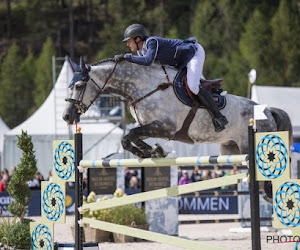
(130, 80)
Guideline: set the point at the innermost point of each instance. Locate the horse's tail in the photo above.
(283, 121)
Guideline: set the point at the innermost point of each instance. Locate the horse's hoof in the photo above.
(158, 152)
(268, 195)
(268, 199)
(140, 154)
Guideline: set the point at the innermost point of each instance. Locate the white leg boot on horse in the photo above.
(218, 119)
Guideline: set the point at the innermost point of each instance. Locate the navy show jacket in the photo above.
(173, 52)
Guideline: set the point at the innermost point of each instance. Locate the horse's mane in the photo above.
(103, 61)
(113, 60)
(153, 66)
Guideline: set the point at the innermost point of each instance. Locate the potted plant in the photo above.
(93, 234)
(128, 215)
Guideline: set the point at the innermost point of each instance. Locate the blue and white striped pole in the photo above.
(164, 162)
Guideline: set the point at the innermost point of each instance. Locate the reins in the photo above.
(161, 86)
(83, 108)
(106, 81)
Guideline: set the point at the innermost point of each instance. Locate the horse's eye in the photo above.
(79, 86)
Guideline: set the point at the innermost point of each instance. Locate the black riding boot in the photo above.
(218, 119)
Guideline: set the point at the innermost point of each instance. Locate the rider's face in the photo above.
(132, 45)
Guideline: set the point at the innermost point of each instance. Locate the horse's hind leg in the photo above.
(142, 149)
(230, 148)
(129, 147)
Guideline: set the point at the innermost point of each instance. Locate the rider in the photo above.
(174, 52)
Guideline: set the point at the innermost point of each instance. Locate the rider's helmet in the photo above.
(133, 31)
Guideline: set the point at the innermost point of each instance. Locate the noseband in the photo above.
(81, 107)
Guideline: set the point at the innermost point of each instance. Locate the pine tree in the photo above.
(18, 187)
(43, 78)
(285, 40)
(255, 46)
(118, 16)
(11, 95)
(28, 70)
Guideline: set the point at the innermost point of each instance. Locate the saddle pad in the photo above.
(182, 95)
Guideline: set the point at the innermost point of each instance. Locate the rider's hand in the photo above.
(119, 58)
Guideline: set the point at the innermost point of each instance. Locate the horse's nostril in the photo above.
(66, 117)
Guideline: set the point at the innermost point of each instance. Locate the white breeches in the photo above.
(194, 70)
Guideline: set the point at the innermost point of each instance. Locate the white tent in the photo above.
(46, 125)
(286, 98)
(3, 129)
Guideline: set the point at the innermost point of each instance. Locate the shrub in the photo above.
(18, 235)
(126, 215)
(5, 224)
(18, 187)
(123, 215)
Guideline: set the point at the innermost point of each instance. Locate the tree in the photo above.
(220, 26)
(8, 18)
(43, 78)
(255, 46)
(18, 234)
(18, 187)
(118, 17)
(27, 71)
(285, 40)
(11, 95)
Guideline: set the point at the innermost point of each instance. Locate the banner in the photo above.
(208, 205)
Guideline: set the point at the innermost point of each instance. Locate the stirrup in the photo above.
(219, 123)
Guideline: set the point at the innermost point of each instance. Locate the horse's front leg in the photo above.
(142, 149)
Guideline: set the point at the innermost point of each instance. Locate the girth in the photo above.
(210, 85)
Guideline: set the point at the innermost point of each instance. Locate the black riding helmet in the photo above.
(133, 31)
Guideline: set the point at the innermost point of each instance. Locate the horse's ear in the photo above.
(74, 66)
(83, 66)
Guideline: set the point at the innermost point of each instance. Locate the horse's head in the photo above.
(83, 92)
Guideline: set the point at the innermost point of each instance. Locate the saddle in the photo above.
(184, 94)
(212, 86)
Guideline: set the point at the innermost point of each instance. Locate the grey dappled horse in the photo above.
(161, 114)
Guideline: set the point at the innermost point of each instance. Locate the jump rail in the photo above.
(217, 193)
(147, 235)
(164, 162)
(214, 167)
(187, 222)
(164, 192)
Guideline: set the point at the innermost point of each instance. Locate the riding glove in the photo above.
(119, 58)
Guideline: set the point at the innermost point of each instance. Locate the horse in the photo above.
(159, 112)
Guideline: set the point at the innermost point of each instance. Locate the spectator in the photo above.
(195, 176)
(214, 175)
(128, 174)
(134, 182)
(36, 182)
(50, 176)
(39, 177)
(179, 174)
(4, 182)
(220, 173)
(5, 172)
(185, 178)
(13, 170)
(206, 175)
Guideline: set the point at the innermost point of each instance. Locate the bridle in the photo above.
(84, 77)
(81, 107)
